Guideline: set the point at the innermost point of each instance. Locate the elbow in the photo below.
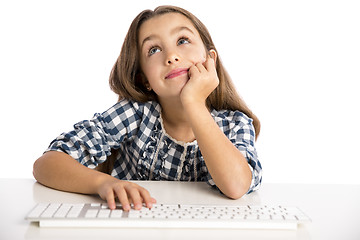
(39, 168)
(236, 193)
(238, 187)
(236, 196)
(36, 169)
(236, 190)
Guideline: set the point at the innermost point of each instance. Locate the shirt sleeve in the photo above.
(242, 135)
(91, 141)
(239, 129)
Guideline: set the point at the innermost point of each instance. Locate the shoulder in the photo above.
(234, 124)
(228, 117)
(128, 108)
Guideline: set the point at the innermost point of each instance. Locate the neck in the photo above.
(173, 112)
(175, 121)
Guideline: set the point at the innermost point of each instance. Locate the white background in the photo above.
(296, 64)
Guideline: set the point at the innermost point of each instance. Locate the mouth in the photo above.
(177, 72)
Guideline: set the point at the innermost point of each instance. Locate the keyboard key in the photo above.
(277, 217)
(62, 211)
(104, 205)
(134, 214)
(38, 210)
(251, 217)
(264, 217)
(50, 210)
(91, 213)
(290, 217)
(117, 213)
(104, 213)
(75, 210)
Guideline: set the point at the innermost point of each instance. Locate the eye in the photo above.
(183, 40)
(153, 50)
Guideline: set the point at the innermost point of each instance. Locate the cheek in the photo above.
(199, 56)
(150, 72)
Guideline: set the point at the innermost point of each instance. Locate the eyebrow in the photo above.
(172, 32)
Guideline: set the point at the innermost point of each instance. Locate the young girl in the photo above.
(178, 118)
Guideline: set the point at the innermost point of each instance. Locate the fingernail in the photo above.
(126, 207)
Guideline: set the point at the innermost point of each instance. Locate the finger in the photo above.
(201, 67)
(147, 199)
(193, 72)
(123, 198)
(209, 64)
(110, 199)
(136, 198)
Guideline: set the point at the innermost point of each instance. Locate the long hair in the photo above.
(125, 79)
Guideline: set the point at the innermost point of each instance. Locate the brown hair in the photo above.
(125, 79)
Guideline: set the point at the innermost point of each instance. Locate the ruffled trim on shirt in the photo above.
(181, 143)
(145, 163)
(154, 163)
(186, 160)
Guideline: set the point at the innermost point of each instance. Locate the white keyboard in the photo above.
(167, 216)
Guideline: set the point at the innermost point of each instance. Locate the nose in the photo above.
(172, 58)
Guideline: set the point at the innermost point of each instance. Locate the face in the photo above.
(169, 45)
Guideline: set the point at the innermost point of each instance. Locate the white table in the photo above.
(334, 210)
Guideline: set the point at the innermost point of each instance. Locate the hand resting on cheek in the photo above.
(202, 81)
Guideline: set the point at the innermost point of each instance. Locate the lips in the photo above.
(176, 72)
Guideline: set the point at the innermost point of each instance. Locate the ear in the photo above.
(141, 80)
(145, 82)
(213, 54)
(147, 86)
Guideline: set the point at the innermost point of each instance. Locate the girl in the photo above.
(178, 118)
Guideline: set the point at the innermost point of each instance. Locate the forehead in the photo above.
(163, 24)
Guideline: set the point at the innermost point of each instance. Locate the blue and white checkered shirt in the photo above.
(145, 150)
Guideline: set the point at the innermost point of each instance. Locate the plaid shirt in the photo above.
(145, 150)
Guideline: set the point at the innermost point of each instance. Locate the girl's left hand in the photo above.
(203, 80)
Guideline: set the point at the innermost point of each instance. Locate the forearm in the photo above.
(60, 171)
(226, 164)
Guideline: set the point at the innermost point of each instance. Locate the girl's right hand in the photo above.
(127, 193)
